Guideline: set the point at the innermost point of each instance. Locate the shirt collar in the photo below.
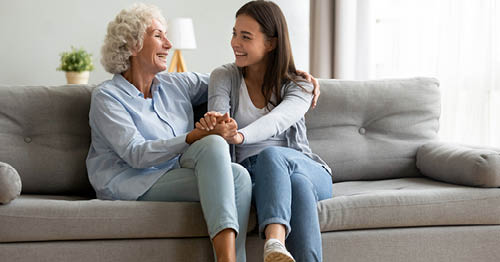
(155, 85)
(125, 85)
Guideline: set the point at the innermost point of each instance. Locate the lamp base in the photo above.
(177, 62)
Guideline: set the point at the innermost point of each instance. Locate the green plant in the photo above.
(78, 60)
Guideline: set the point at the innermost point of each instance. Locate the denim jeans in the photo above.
(224, 189)
(287, 187)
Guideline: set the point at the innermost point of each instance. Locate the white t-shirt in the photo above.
(246, 114)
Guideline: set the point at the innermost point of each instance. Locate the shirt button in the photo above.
(362, 131)
(27, 139)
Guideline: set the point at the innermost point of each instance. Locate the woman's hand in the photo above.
(210, 120)
(195, 135)
(237, 139)
(311, 79)
(226, 127)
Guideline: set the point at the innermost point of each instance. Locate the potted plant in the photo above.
(77, 64)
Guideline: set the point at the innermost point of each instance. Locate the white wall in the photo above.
(35, 32)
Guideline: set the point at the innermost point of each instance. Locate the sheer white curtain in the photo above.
(456, 41)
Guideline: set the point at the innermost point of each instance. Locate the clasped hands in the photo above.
(215, 123)
(220, 124)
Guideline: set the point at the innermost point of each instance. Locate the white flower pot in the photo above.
(78, 77)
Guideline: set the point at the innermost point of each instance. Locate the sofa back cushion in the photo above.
(44, 134)
(363, 129)
(368, 130)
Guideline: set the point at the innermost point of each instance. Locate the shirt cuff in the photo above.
(178, 144)
(244, 136)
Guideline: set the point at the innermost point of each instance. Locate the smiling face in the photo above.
(249, 44)
(152, 58)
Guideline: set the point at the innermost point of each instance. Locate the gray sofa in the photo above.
(399, 194)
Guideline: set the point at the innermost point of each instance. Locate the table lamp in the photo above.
(180, 32)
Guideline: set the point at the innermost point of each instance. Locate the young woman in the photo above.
(268, 101)
(143, 145)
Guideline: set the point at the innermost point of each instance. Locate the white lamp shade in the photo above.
(180, 32)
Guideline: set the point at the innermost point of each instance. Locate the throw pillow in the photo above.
(10, 183)
(460, 164)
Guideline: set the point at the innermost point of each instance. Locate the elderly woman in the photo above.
(143, 145)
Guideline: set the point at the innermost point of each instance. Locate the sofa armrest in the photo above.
(10, 183)
(460, 164)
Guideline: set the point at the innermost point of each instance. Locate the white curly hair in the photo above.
(125, 33)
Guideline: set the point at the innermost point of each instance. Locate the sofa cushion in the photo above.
(370, 130)
(44, 218)
(10, 183)
(45, 136)
(407, 202)
(460, 164)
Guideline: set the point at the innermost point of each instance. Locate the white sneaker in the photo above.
(275, 251)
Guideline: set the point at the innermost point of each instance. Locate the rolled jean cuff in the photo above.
(223, 226)
(274, 220)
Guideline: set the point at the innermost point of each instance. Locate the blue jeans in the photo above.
(224, 189)
(287, 187)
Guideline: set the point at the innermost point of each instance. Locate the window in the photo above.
(456, 41)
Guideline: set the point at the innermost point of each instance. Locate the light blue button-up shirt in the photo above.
(136, 140)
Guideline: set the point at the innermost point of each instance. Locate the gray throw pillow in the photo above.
(10, 183)
(460, 164)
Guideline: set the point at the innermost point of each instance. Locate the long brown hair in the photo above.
(280, 66)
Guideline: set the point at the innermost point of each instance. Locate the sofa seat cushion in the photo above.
(44, 218)
(407, 202)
